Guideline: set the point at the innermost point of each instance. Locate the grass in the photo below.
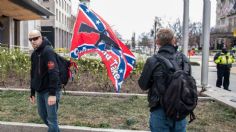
(111, 112)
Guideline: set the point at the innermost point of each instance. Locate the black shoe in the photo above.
(228, 89)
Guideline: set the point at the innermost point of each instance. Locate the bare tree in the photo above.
(177, 28)
(195, 30)
(118, 35)
(157, 25)
(133, 43)
(145, 40)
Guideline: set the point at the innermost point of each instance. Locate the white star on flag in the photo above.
(121, 71)
(88, 10)
(84, 48)
(120, 83)
(97, 22)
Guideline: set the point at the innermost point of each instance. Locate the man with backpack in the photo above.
(172, 91)
(45, 80)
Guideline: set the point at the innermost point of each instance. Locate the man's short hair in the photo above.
(165, 36)
(35, 32)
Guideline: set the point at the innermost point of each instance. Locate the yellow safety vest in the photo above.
(225, 59)
(234, 49)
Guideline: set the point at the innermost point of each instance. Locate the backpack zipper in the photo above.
(39, 64)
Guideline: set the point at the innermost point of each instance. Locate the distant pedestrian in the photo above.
(233, 51)
(223, 60)
(44, 80)
(196, 51)
(191, 52)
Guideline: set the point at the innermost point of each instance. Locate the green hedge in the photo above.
(16, 63)
(13, 62)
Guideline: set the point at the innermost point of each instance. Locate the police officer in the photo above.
(223, 60)
(233, 50)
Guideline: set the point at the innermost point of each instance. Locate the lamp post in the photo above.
(206, 38)
(185, 27)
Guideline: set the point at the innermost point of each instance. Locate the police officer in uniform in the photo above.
(223, 60)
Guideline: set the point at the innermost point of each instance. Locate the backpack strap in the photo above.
(183, 62)
(192, 117)
(73, 70)
(177, 62)
(165, 61)
(172, 63)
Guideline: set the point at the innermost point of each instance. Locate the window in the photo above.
(57, 14)
(62, 18)
(222, 21)
(234, 21)
(49, 10)
(64, 5)
(230, 21)
(69, 9)
(66, 8)
(65, 20)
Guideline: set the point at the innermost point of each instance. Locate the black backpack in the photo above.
(64, 69)
(180, 95)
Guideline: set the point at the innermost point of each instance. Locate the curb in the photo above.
(78, 93)
(82, 93)
(31, 127)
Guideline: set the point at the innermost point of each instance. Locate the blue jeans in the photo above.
(160, 123)
(48, 113)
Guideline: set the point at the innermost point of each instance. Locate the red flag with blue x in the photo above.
(93, 34)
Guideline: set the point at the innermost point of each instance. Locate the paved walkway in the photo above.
(222, 96)
(233, 70)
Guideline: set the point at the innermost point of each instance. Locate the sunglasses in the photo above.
(34, 38)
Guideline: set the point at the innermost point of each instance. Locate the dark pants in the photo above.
(160, 123)
(48, 113)
(223, 74)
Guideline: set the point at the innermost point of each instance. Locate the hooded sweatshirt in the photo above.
(44, 69)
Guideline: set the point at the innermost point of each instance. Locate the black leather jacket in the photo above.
(44, 69)
(154, 73)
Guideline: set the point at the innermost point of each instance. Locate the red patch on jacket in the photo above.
(51, 64)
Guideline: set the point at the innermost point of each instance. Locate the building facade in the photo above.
(58, 29)
(13, 31)
(26, 27)
(224, 33)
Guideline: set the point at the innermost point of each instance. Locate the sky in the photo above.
(129, 16)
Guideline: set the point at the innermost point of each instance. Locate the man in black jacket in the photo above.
(44, 80)
(153, 79)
